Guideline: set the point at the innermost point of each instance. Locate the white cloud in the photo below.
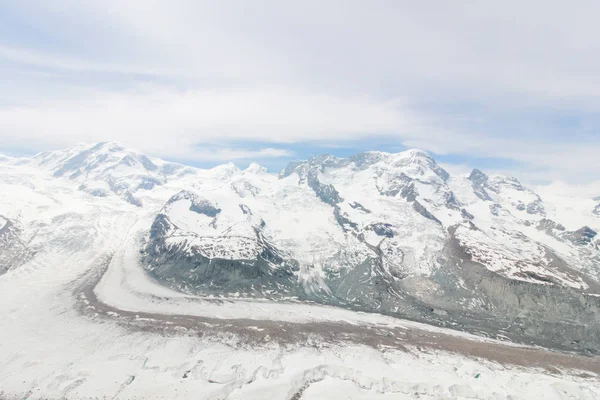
(41, 59)
(223, 154)
(445, 77)
(170, 122)
(587, 190)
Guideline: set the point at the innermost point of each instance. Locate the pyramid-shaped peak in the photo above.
(477, 176)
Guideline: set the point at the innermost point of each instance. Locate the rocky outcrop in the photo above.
(381, 229)
(182, 266)
(423, 211)
(478, 180)
(13, 250)
(582, 236)
(550, 226)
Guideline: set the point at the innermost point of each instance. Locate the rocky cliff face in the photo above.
(391, 233)
(195, 245)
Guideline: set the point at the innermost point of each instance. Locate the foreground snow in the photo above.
(49, 350)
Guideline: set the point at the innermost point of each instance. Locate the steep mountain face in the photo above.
(196, 243)
(389, 233)
(392, 233)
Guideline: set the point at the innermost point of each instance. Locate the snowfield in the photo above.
(82, 319)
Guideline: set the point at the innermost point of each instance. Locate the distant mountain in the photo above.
(107, 168)
(391, 233)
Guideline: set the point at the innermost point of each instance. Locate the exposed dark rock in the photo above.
(495, 209)
(160, 227)
(382, 229)
(441, 172)
(459, 292)
(290, 168)
(507, 181)
(197, 204)
(326, 193)
(478, 177)
(270, 274)
(205, 207)
(423, 211)
(409, 192)
(343, 220)
(536, 207)
(358, 206)
(465, 214)
(582, 236)
(548, 225)
(451, 201)
(536, 276)
(128, 197)
(13, 250)
(478, 181)
(519, 206)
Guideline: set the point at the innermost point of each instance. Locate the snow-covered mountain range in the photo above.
(388, 233)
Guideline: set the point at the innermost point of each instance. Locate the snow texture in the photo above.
(66, 222)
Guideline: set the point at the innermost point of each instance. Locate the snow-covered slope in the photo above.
(250, 253)
(331, 214)
(108, 168)
(392, 233)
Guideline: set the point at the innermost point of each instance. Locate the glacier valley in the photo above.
(376, 276)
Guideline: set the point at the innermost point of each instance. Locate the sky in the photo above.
(510, 87)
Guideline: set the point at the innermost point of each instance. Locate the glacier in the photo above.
(375, 276)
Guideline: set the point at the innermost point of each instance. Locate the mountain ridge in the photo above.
(393, 233)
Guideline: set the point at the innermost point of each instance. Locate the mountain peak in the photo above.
(108, 146)
(226, 170)
(417, 153)
(255, 169)
(415, 159)
(108, 167)
(99, 157)
(421, 158)
(477, 176)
